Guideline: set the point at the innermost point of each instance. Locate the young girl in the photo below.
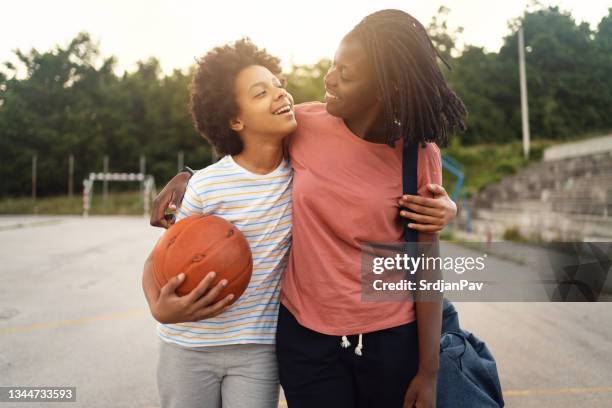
(225, 356)
(383, 89)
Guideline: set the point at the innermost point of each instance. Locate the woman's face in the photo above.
(350, 83)
(265, 107)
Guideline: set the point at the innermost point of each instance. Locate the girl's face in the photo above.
(350, 83)
(265, 107)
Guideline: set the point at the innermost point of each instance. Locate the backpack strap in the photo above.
(410, 162)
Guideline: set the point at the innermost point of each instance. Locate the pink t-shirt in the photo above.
(345, 192)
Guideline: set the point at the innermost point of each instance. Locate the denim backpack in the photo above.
(467, 376)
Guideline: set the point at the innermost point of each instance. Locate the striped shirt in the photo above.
(260, 206)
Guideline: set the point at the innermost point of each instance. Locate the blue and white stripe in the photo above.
(260, 206)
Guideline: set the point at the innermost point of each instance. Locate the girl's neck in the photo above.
(260, 158)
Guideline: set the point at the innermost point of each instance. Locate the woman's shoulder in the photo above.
(429, 150)
(429, 167)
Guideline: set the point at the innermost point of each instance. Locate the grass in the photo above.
(118, 203)
(514, 235)
(485, 164)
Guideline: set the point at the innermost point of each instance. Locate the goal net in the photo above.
(147, 181)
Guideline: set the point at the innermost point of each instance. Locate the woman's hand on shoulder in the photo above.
(429, 215)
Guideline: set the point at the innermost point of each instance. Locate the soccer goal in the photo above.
(147, 180)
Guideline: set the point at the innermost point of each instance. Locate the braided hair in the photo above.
(417, 103)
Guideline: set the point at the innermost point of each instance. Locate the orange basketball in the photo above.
(200, 244)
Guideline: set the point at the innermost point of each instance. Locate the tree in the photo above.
(39, 113)
(444, 40)
(305, 82)
(70, 100)
(559, 63)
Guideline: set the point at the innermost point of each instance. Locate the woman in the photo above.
(384, 88)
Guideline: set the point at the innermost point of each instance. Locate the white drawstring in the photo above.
(345, 343)
(359, 346)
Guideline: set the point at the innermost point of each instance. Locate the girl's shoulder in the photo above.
(309, 108)
(218, 170)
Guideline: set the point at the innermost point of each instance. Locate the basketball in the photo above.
(200, 244)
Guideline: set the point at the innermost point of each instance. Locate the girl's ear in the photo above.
(236, 125)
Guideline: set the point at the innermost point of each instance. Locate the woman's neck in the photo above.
(368, 126)
(260, 158)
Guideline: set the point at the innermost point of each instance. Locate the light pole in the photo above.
(523, 80)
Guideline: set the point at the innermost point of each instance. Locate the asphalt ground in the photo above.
(72, 314)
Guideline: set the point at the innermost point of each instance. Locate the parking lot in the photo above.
(72, 313)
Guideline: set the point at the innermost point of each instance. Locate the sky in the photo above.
(177, 32)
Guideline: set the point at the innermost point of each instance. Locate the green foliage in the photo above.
(444, 40)
(118, 203)
(69, 100)
(513, 234)
(489, 163)
(305, 82)
(569, 86)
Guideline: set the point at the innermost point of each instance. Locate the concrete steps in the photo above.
(569, 198)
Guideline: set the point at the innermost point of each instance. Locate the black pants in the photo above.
(316, 372)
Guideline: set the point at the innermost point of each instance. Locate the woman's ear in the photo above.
(236, 125)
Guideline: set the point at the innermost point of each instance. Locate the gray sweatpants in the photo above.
(234, 376)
